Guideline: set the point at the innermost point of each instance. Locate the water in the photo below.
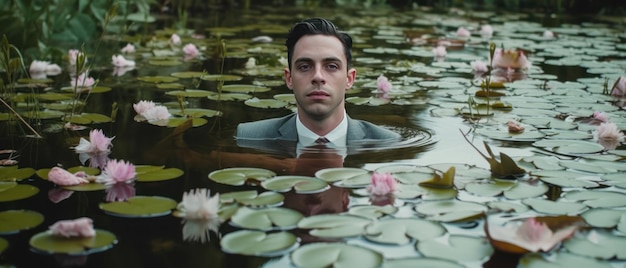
(431, 138)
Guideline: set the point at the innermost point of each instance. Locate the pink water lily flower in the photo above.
(514, 127)
(175, 40)
(383, 85)
(129, 48)
(60, 176)
(479, 66)
(56, 195)
(197, 204)
(143, 105)
(609, 131)
(119, 192)
(510, 60)
(117, 171)
(530, 234)
(156, 113)
(439, 51)
(486, 31)
(83, 81)
(619, 88)
(81, 227)
(382, 184)
(463, 33)
(600, 116)
(120, 61)
(191, 51)
(98, 143)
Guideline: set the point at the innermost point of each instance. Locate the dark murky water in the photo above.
(157, 242)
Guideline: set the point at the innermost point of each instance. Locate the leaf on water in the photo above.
(335, 255)
(257, 243)
(14, 221)
(445, 181)
(506, 168)
(47, 243)
(266, 219)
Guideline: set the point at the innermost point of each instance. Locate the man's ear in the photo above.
(288, 81)
(351, 77)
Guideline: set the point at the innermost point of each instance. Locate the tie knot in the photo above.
(322, 140)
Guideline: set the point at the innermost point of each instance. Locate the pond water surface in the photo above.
(428, 105)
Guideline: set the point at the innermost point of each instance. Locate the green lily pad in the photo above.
(140, 207)
(605, 218)
(20, 191)
(554, 207)
(570, 147)
(372, 212)
(52, 96)
(14, 221)
(4, 244)
(188, 74)
(161, 62)
(253, 199)
(177, 121)
(162, 174)
(34, 81)
(190, 93)
(257, 243)
(241, 176)
(242, 88)
(157, 79)
(560, 260)
(334, 225)
(337, 174)
(338, 255)
(196, 112)
(229, 96)
(450, 210)
(266, 219)
(43, 173)
(595, 199)
(170, 86)
(265, 103)
(13, 173)
(46, 114)
(458, 248)
(507, 206)
(221, 77)
(400, 231)
(87, 118)
(491, 188)
(300, 184)
(421, 262)
(522, 190)
(598, 244)
(47, 243)
(5, 185)
(412, 191)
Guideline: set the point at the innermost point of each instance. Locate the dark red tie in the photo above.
(322, 140)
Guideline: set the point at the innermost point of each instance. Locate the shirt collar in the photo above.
(337, 136)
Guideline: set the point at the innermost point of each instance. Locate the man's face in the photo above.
(319, 77)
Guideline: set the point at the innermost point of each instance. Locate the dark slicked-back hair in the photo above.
(314, 26)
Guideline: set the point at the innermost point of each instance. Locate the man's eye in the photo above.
(304, 67)
(332, 66)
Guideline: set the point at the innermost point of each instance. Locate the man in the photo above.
(319, 73)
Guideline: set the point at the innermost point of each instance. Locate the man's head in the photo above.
(318, 26)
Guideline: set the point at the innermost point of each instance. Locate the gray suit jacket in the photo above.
(274, 133)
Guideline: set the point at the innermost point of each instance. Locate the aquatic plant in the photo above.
(81, 227)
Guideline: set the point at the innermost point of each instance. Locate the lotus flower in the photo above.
(117, 171)
(129, 48)
(96, 149)
(619, 88)
(119, 191)
(608, 135)
(43, 68)
(60, 176)
(529, 235)
(143, 106)
(175, 40)
(120, 61)
(486, 31)
(199, 205)
(156, 113)
(81, 227)
(191, 51)
(57, 195)
(382, 184)
(439, 51)
(548, 34)
(479, 67)
(463, 33)
(251, 63)
(383, 85)
(83, 81)
(199, 230)
(515, 127)
(510, 60)
(72, 55)
(120, 71)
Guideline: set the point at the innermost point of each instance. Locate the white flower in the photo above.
(129, 48)
(156, 113)
(120, 61)
(197, 204)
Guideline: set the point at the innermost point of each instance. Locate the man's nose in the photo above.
(318, 76)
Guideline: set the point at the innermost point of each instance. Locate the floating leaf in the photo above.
(152, 175)
(252, 199)
(4, 244)
(598, 244)
(157, 79)
(561, 259)
(458, 248)
(229, 96)
(18, 192)
(446, 180)
(221, 77)
(372, 212)
(196, 112)
(242, 88)
(140, 207)
(335, 255)
(13, 173)
(450, 210)
(503, 169)
(300, 184)
(188, 74)
(47, 243)
(570, 147)
(421, 262)
(604, 218)
(595, 199)
(554, 207)
(257, 243)
(87, 118)
(266, 219)
(400, 231)
(337, 174)
(334, 225)
(14, 221)
(239, 176)
(175, 122)
(265, 103)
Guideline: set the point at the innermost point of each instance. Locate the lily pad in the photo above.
(372, 212)
(300, 184)
(221, 77)
(18, 192)
(87, 118)
(421, 262)
(561, 260)
(266, 219)
(334, 225)
(265, 103)
(140, 207)
(190, 93)
(450, 210)
(13, 173)
(188, 74)
(47, 243)
(229, 96)
(14, 221)
(337, 174)
(253, 199)
(4, 244)
(242, 88)
(241, 176)
(177, 121)
(554, 207)
(162, 174)
(157, 79)
(458, 248)
(605, 218)
(257, 243)
(598, 244)
(595, 199)
(400, 231)
(570, 147)
(338, 255)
